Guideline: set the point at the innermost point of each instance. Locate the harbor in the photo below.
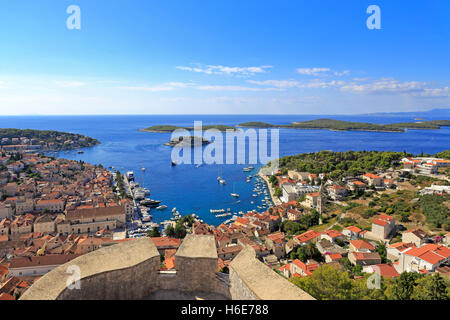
(150, 213)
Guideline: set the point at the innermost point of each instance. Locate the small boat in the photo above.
(251, 167)
(161, 207)
(246, 170)
(150, 202)
(173, 163)
(255, 195)
(81, 151)
(174, 210)
(216, 210)
(235, 195)
(222, 181)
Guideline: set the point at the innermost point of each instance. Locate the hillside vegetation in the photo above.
(340, 125)
(338, 164)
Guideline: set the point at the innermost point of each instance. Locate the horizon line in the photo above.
(219, 114)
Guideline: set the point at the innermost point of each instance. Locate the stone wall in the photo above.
(130, 270)
(127, 270)
(251, 279)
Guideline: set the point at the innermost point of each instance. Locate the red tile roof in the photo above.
(431, 253)
(332, 233)
(354, 229)
(362, 244)
(385, 270)
(6, 296)
(307, 236)
(371, 176)
(161, 242)
(379, 222)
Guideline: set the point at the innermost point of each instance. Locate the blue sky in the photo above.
(207, 56)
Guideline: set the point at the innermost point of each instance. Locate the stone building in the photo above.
(131, 270)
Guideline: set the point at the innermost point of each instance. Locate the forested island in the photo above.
(170, 128)
(48, 140)
(339, 125)
(187, 141)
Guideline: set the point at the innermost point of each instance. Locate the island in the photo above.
(340, 125)
(170, 128)
(187, 141)
(44, 140)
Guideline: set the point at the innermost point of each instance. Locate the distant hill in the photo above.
(170, 128)
(47, 139)
(341, 125)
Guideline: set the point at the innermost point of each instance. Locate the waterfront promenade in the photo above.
(276, 201)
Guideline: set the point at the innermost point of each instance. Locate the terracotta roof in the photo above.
(366, 255)
(161, 242)
(402, 246)
(371, 176)
(313, 194)
(354, 229)
(49, 201)
(379, 222)
(170, 263)
(307, 236)
(6, 296)
(47, 260)
(362, 244)
(332, 233)
(335, 256)
(94, 212)
(241, 220)
(385, 270)
(431, 253)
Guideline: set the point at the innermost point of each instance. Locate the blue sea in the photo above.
(196, 190)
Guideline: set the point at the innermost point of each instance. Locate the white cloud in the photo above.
(233, 88)
(224, 70)
(150, 89)
(312, 71)
(276, 83)
(385, 86)
(296, 84)
(340, 74)
(434, 92)
(169, 86)
(321, 84)
(70, 84)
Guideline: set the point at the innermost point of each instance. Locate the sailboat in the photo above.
(219, 178)
(234, 194)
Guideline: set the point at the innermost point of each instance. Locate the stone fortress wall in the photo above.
(131, 270)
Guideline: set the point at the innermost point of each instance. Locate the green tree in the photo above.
(277, 192)
(326, 283)
(381, 249)
(310, 251)
(154, 232)
(403, 286)
(431, 287)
